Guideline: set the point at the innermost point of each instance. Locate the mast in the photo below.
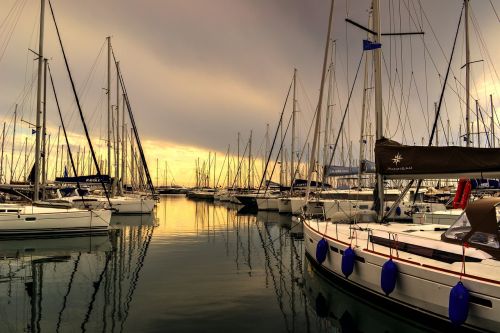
(328, 115)
(26, 159)
(467, 74)
(492, 123)
(132, 158)
(266, 153)
(57, 152)
(117, 146)
(228, 166)
(44, 130)
(362, 141)
(239, 173)
(437, 127)
(13, 141)
(109, 105)
(124, 147)
(477, 126)
(250, 161)
(318, 111)
(36, 187)
(294, 110)
(1, 161)
(378, 99)
(282, 178)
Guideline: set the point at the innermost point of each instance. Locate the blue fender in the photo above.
(348, 259)
(388, 276)
(321, 250)
(458, 308)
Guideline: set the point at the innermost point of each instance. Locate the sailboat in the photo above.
(448, 274)
(121, 203)
(41, 218)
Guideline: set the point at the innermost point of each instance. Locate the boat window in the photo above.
(462, 227)
(459, 229)
(497, 209)
(486, 239)
(422, 251)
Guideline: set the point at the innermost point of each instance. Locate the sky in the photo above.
(198, 72)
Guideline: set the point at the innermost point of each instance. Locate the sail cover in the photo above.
(85, 179)
(394, 160)
(338, 170)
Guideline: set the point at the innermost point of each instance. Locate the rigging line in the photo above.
(495, 11)
(491, 63)
(431, 138)
(11, 32)
(297, 169)
(65, 134)
(79, 107)
(223, 164)
(280, 123)
(392, 93)
(96, 286)
(484, 127)
(343, 118)
(83, 90)
(426, 119)
(134, 126)
(240, 165)
(11, 10)
(136, 274)
(280, 151)
(407, 105)
(65, 299)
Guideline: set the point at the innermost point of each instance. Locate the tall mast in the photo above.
(378, 98)
(228, 148)
(492, 123)
(109, 105)
(39, 104)
(477, 126)
(13, 141)
(318, 111)
(437, 127)
(132, 158)
(239, 173)
(265, 154)
(1, 160)
(117, 146)
(294, 110)
(250, 161)
(328, 111)
(282, 165)
(467, 74)
(362, 141)
(44, 129)
(57, 152)
(124, 147)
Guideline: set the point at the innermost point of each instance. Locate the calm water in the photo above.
(193, 267)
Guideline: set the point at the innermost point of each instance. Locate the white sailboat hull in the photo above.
(422, 285)
(126, 205)
(36, 221)
(284, 206)
(119, 204)
(267, 203)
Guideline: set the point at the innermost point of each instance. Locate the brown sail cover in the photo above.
(395, 160)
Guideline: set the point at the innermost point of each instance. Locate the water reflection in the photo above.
(193, 266)
(81, 283)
